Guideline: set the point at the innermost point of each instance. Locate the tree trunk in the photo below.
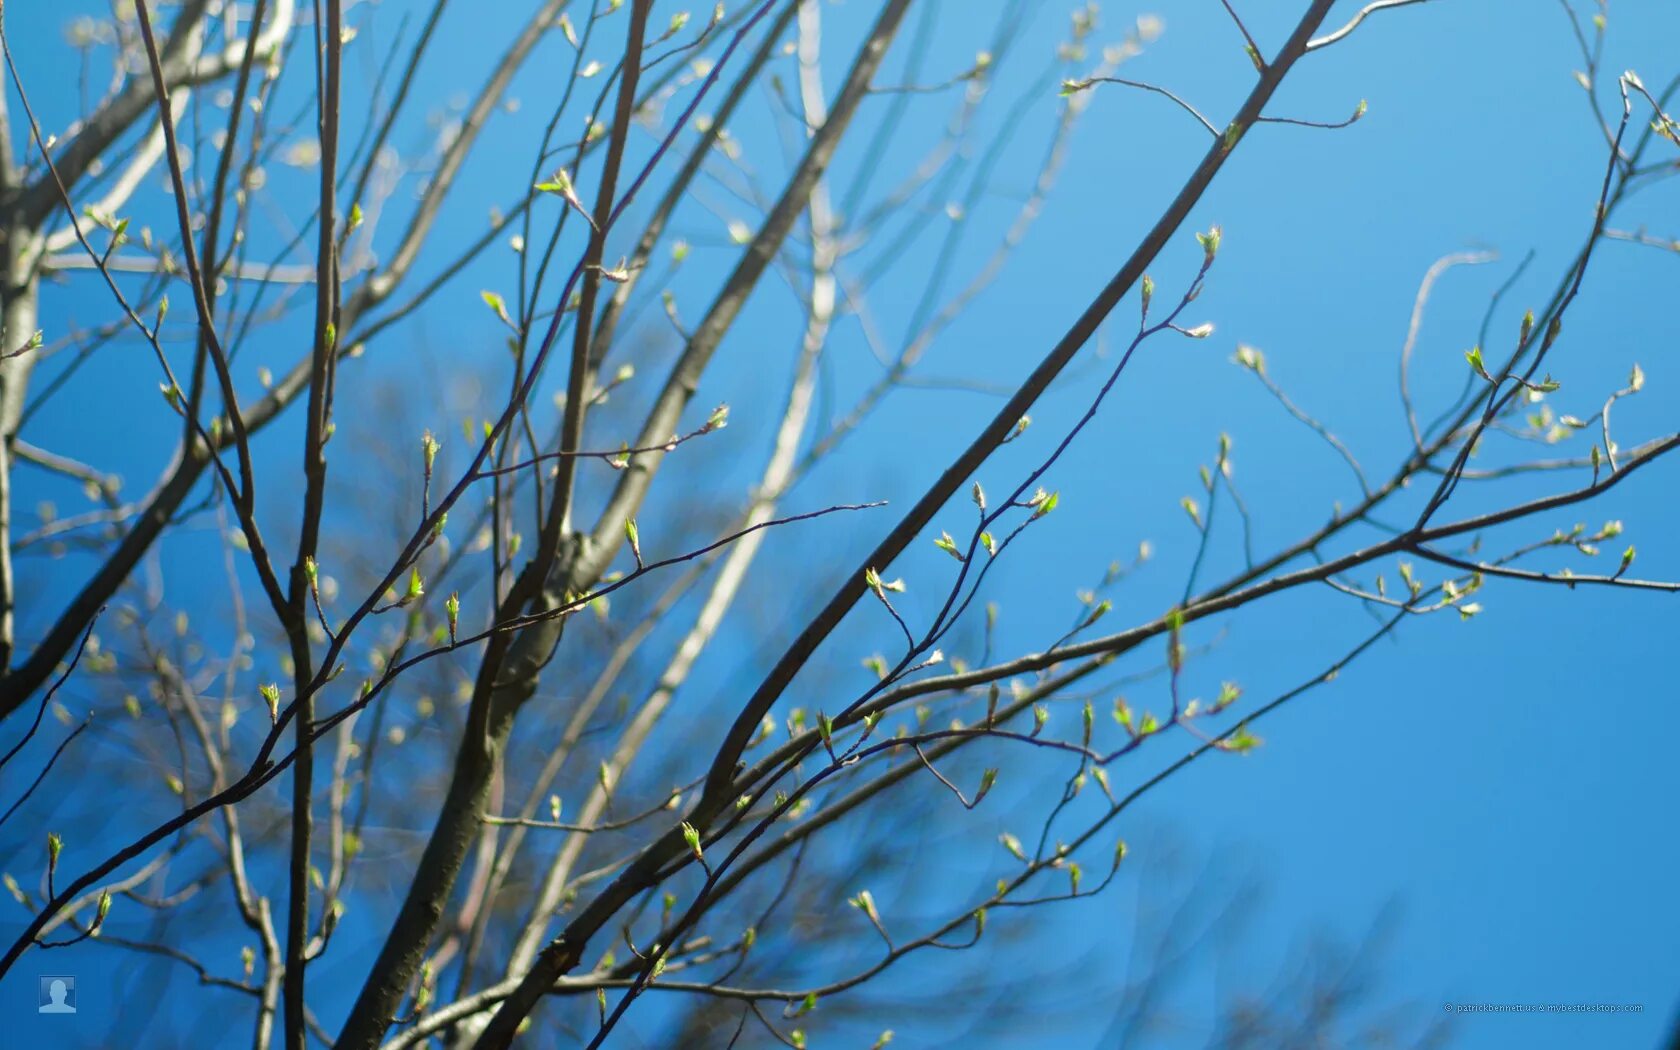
(19, 303)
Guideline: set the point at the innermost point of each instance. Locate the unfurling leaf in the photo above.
(865, 902)
(1210, 240)
(1123, 713)
(948, 545)
(1250, 358)
(1192, 509)
(1229, 692)
(1474, 356)
(497, 305)
(1241, 741)
(872, 580)
(561, 186)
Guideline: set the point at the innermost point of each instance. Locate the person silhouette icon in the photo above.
(57, 989)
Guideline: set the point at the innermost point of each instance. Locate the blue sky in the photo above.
(1495, 792)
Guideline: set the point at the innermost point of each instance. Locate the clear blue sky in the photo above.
(1497, 795)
